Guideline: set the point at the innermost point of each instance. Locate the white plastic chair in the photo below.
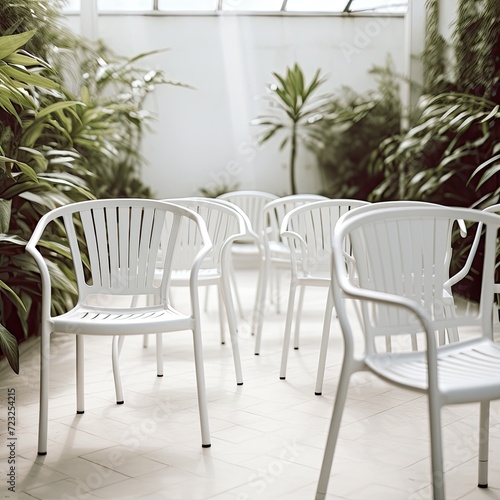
(249, 249)
(276, 252)
(495, 209)
(307, 230)
(402, 261)
(449, 335)
(225, 224)
(119, 242)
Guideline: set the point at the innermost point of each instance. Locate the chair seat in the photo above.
(279, 249)
(467, 371)
(245, 249)
(181, 276)
(88, 320)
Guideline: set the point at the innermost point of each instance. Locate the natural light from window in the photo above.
(252, 6)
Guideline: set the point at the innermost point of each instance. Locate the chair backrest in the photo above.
(308, 228)
(401, 257)
(494, 209)
(459, 226)
(252, 203)
(225, 223)
(274, 212)
(115, 243)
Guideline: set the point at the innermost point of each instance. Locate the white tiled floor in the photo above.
(267, 435)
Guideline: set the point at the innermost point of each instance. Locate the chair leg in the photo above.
(80, 362)
(258, 292)
(222, 321)
(333, 432)
(484, 431)
(236, 292)
(277, 293)
(43, 417)
(436, 449)
(200, 384)
(261, 304)
(327, 321)
(159, 355)
(115, 356)
(298, 315)
(227, 303)
(288, 328)
(205, 302)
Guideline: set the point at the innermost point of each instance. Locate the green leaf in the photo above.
(9, 346)
(10, 43)
(57, 106)
(5, 213)
(30, 78)
(23, 60)
(7, 290)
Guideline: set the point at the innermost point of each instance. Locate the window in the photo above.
(261, 6)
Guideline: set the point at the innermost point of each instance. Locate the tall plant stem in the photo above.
(293, 154)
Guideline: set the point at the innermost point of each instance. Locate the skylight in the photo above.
(261, 6)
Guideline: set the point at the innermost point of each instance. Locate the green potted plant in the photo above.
(295, 109)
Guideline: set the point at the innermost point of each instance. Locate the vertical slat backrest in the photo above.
(313, 223)
(274, 213)
(222, 224)
(408, 257)
(252, 203)
(121, 242)
(402, 255)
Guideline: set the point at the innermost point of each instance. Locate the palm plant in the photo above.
(24, 192)
(294, 110)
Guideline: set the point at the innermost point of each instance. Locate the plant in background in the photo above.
(294, 110)
(58, 145)
(24, 193)
(453, 135)
(450, 154)
(108, 131)
(353, 126)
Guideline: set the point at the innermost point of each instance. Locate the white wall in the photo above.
(203, 137)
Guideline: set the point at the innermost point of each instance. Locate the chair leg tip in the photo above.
(239, 383)
(42, 453)
(282, 378)
(206, 445)
(159, 375)
(482, 485)
(120, 402)
(80, 412)
(318, 393)
(296, 348)
(257, 354)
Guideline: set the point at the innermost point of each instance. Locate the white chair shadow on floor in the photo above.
(114, 247)
(402, 261)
